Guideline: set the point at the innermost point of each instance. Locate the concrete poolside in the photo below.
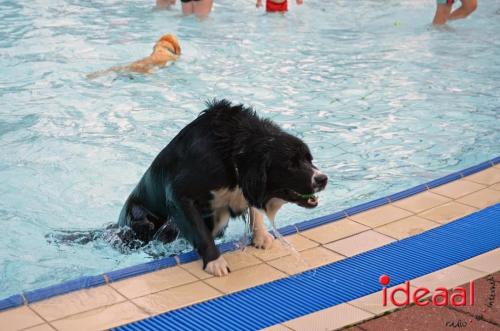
(124, 301)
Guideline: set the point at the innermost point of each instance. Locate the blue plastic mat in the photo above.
(339, 282)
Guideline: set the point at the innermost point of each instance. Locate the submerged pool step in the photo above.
(339, 282)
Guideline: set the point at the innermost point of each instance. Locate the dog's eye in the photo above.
(294, 163)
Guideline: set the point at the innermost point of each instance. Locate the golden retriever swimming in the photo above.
(166, 49)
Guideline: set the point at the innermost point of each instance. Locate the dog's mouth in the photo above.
(309, 200)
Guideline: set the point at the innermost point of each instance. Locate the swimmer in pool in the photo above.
(164, 4)
(200, 8)
(444, 13)
(277, 6)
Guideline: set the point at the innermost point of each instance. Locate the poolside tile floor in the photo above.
(132, 299)
(306, 260)
(278, 249)
(458, 188)
(18, 318)
(329, 319)
(245, 278)
(176, 297)
(481, 199)
(41, 327)
(153, 282)
(334, 231)
(101, 318)
(448, 277)
(447, 212)
(380, 216)
(359, 243)
(486, 177)
(406, 227)
(421, 202)
(75, 302)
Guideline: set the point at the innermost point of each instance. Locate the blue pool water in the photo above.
(384, 100)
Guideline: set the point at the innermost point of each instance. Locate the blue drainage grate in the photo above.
(339, 282)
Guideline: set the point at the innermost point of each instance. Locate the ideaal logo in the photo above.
(440, 297)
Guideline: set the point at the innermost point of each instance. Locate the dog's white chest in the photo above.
(224, 202)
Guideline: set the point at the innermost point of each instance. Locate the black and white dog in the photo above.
(225, 163)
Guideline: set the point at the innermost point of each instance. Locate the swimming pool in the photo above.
(384, 101)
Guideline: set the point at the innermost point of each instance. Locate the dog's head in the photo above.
(282, 168)
(168, 43)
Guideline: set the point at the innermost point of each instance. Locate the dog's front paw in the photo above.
(218, 267)
(262, 239)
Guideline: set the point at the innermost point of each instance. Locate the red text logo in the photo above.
(441, 296)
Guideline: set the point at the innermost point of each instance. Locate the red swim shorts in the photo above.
(276, 7)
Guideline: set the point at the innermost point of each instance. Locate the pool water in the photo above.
(384, 101)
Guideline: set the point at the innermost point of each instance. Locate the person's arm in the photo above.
(299, 2)
(259, 3)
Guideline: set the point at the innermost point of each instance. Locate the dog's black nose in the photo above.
(320, 180)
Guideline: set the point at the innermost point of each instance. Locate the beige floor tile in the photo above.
(329, 319)
(76, 302)
(334, 231)
(308, 259)
(488, 262)
(277, 327)
(495, 187)
(236, 260)
(297, 242)
(487, 177)
(359, 243)
(447, 212)
(240, 259)
(452, 276)
(42, 327)
(422, 201)
(481, 199)
(153, 282)
(407, 227)
(101, 318)
(177, 297)
(18, 318)
(457, 188)
(380, 216)
(374, 302)
(245, 278)
(196, 268)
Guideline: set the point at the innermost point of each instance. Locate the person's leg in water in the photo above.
(164, 4)
(200, 8)
(443, 11)
(467, 8)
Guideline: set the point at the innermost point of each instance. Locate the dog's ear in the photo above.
(170, 38)
(253, 178)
